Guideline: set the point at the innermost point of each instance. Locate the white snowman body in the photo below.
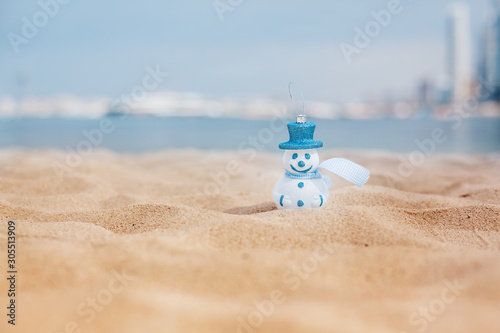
(295, 190)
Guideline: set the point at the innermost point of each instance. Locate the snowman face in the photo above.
(301, 161)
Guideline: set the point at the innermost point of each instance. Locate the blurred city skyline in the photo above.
(221, 54)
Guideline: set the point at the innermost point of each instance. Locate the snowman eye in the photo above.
(294, 156)
(308, 156)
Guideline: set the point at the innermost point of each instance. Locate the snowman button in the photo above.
(301, 185)
(300, 203)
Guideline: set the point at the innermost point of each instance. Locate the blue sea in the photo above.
(139, 134)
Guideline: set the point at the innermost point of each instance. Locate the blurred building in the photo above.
(459, 52)
(489, 67)
(425, 92)
(425, 98)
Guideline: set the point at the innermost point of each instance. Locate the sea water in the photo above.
(138, 134)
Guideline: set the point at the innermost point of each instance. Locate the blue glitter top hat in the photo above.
(301, 135)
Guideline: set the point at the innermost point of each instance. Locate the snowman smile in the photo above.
(303, 171)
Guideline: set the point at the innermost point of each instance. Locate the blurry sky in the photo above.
(100, 48)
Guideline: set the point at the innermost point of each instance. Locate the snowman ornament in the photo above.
(303, 186)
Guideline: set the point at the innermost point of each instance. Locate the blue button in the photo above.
(301, 184)
(300, 203)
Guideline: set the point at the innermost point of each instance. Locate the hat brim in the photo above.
(310, 144)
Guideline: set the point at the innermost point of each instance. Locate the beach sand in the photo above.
(132, 243)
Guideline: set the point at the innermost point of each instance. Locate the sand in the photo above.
(131, 243)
